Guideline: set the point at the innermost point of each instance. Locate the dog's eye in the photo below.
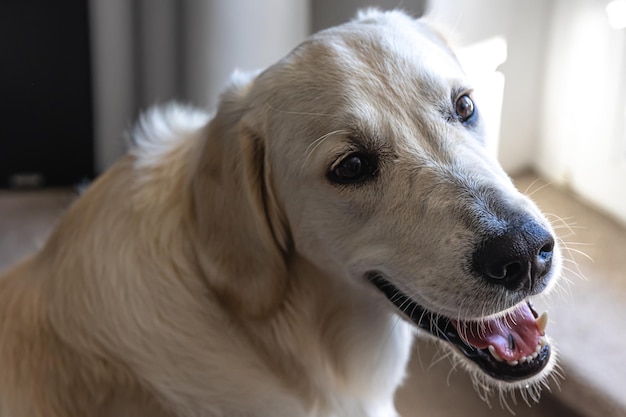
(354, 168)
(464, 108)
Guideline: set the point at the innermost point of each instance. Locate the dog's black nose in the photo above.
(518, 258)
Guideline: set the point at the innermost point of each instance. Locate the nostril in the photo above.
(513, 269)
(502, 267)
(546, 250)
(548, 247)
(498, 271)
(517, 259)
(543, 262)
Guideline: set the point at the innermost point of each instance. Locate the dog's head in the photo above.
(372, 144)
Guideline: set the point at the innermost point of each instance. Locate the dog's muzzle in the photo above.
(512, 347)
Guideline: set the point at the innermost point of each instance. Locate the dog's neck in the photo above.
(335, 315)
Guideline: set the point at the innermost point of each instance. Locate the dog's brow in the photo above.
(297, 112)
(317, 142)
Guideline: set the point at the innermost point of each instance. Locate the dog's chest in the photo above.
(359, 363)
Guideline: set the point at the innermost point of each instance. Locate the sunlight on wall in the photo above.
(524, 26)
(582, 136)
(481, 61)
(616, 12)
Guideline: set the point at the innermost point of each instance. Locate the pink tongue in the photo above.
(513, 336)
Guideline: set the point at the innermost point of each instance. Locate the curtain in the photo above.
(152, 51)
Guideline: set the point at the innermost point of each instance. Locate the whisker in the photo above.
(452, 370)
(574, 272)
(576, 243)
(504, 404)
(531, 186)
(580, 253)
(317, 142)
(440, 356)
(547, 184)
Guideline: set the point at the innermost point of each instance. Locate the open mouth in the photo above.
(509, 348)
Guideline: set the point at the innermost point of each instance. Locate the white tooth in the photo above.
(512, 363)
(522, 359)
(538, 348)
(493, 352)
(543, 341)
(542, 322)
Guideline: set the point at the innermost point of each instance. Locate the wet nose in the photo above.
(517, 259)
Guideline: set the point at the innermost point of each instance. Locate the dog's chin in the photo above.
(508, 350)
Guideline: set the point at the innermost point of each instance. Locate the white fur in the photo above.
(159, 130)
(215, 271)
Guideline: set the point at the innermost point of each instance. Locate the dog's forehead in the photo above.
(388, 80)
(397, 68)
(398, 55)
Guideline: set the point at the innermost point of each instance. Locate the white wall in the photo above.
(151, 51)
(327, 13)
(113, 77)
(158, 56)
(583, 130)
(246, 34)
(187, 49)
(524, 26)
(564, 107)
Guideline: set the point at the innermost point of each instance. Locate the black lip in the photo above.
(442, 328)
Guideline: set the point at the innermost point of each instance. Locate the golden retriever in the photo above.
(278, 258)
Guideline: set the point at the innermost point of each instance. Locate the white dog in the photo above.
(276, 259)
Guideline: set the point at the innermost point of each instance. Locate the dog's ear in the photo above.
(241, 234)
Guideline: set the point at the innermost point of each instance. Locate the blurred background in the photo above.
(551, 78)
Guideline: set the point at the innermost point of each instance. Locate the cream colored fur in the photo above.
(215, 271)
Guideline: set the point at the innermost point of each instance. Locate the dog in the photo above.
(279, 257)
